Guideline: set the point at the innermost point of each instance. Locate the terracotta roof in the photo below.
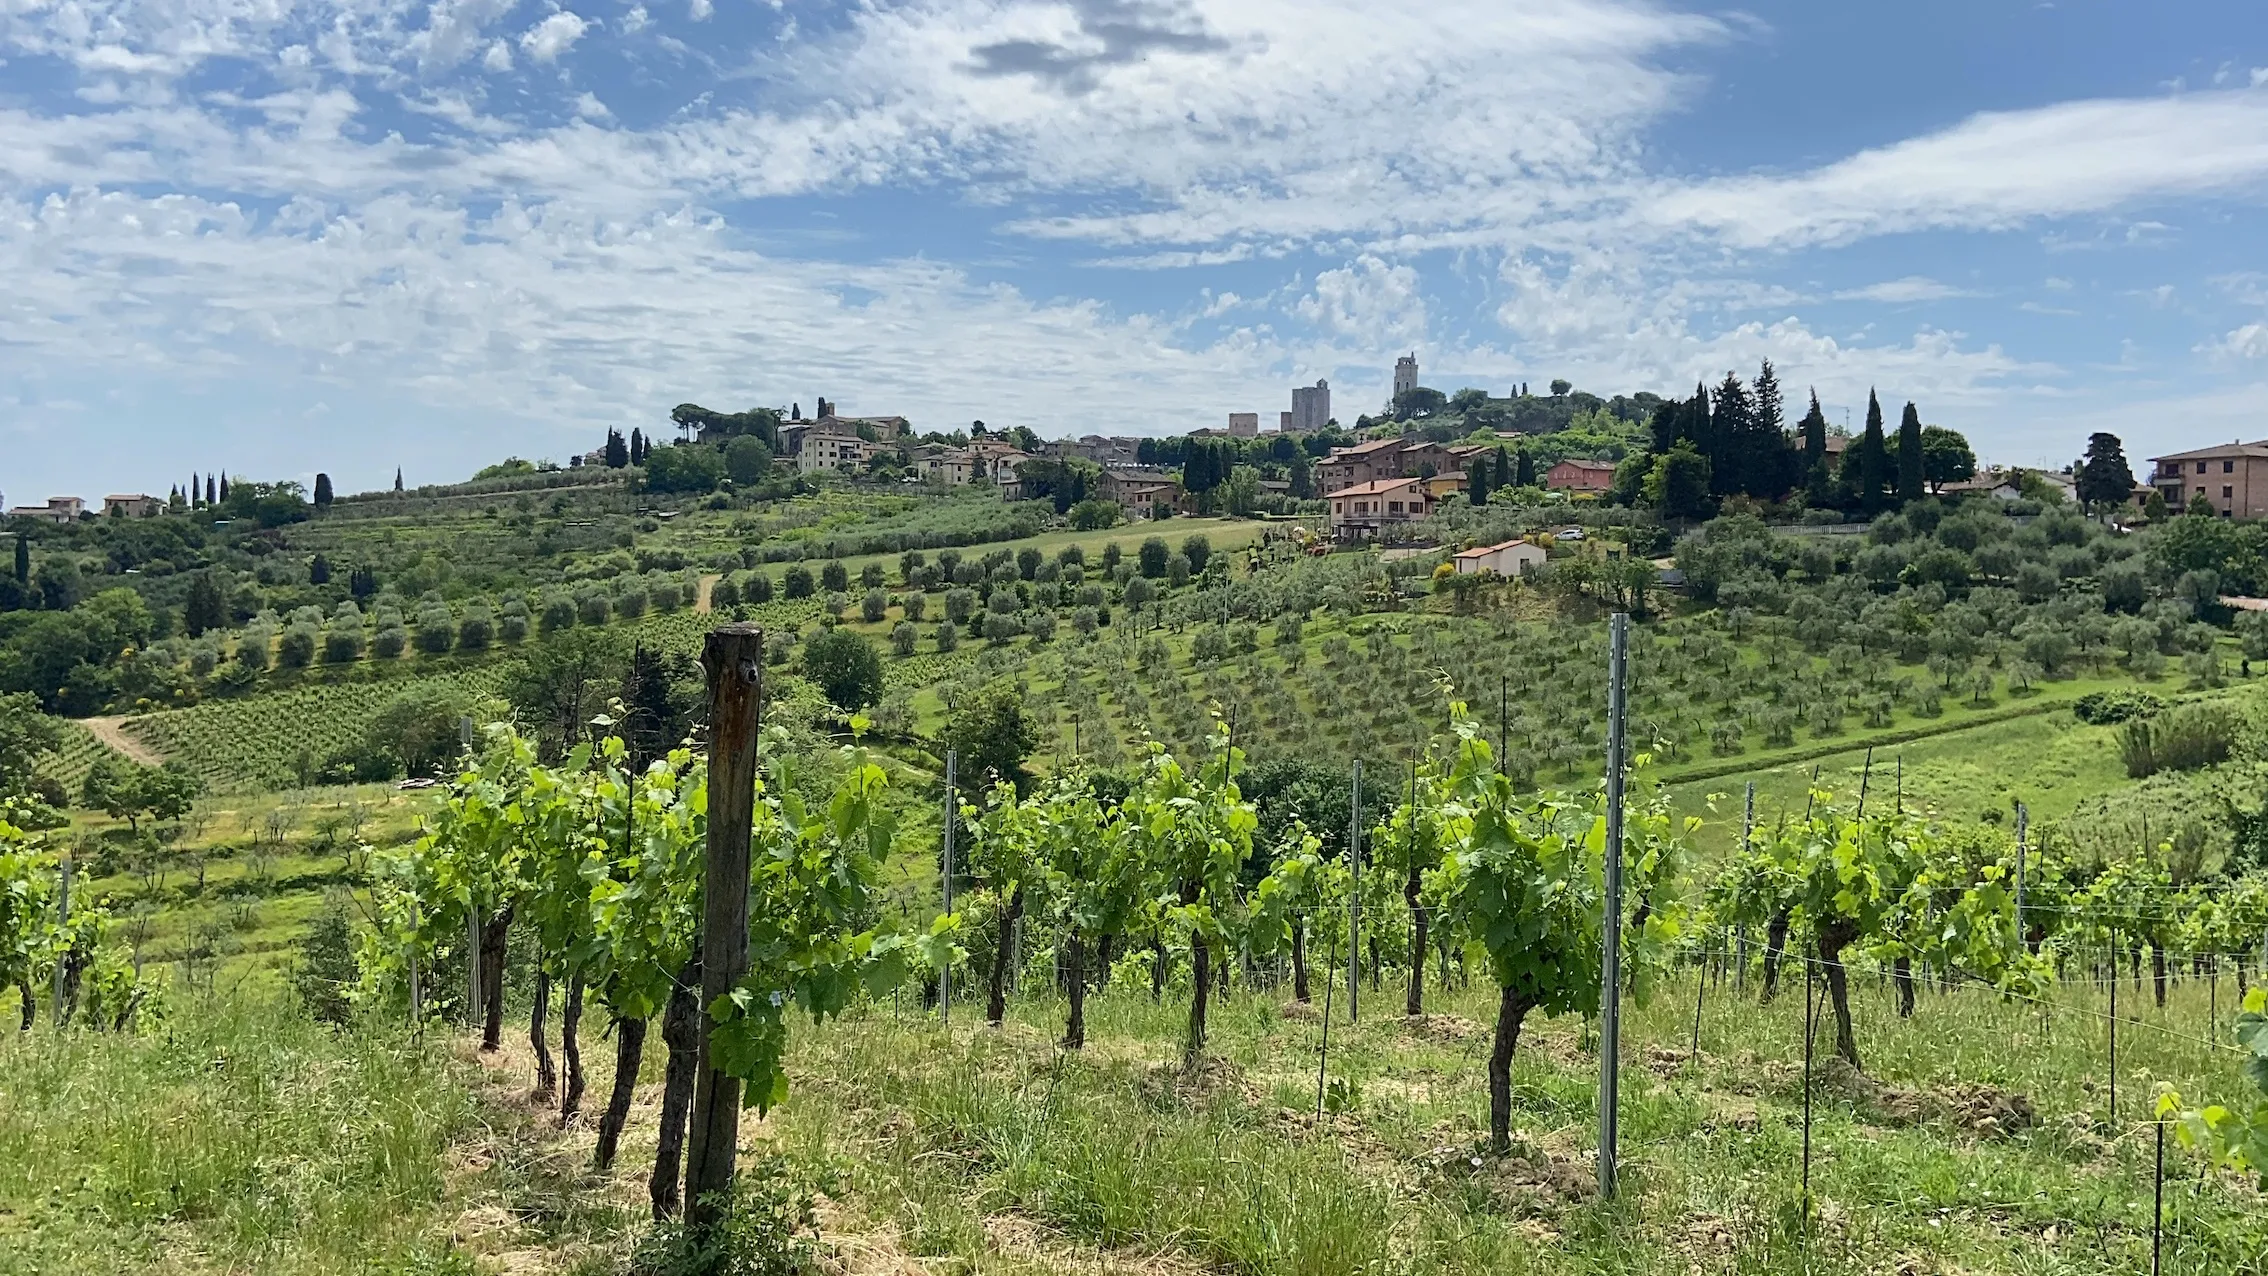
(2218, 452)
(1584, 464)
(1378, 487)
(1363, 449)
(1484, 550)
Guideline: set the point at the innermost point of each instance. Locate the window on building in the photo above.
(2227, 491)
(1393, 507)
(2228, 467)
(2201, 467)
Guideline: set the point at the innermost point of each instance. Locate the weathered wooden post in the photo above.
(733, 658)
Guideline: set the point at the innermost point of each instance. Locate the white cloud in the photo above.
(1368, 301)
(701, 9)
(2247, 342)
(1912, 288)
(1994, 171)
(636, 20)
(590, 108)
(547, 39)
(499, 56)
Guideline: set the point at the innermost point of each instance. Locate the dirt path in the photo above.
(701, 596)
(112, 732)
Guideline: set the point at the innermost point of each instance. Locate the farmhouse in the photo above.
(1359, 512)
(1512, 558)
(1580, 476)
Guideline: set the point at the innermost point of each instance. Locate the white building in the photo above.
(824, 448)
(1311, 406)
(1512, 558)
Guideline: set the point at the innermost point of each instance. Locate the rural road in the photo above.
(112, 732)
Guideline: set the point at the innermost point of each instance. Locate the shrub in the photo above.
(2106, 708)
(948, 636)
(915, 605)
(759, 589)
(1000, 627)
(724, 595)
(476, 630)
(296, 650)
(2184, 740)
(835, 577)
(798, 582)
(1093, 515)
(342, 645)
(435, 631)
(873, 606)
(558, 614)
(592, 609)
(630, 604)
(903, 637)
(665, 596)
(390, 642)
(1042, 626)
(843, 665)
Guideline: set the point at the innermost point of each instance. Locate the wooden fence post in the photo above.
(733, 657)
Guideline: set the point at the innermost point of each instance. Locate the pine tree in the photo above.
(1779, 471)
(2105, 479)
(1871, 458)
(1909, 456)
(322, 491)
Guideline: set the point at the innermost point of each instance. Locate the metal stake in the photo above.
(1354, 900)
(952, 812)
(1610, 996)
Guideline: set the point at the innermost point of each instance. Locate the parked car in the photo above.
(1568, 534)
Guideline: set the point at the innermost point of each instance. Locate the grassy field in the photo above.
(242, 1139)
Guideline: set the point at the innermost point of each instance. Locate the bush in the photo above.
(2105, 708)
(835, 577)
(2184, 740)
(325, 966)
(759, 588)
(512, 626)
(390, 642)
(915, 605)
(630, 604)
(768, 1231)
(1000, 627)
(592, 609)
(1093, 515)
(342, 645)
(476, 630)
(903, 637)
(665, 596)
(296, 650)
(435, 632)
(844, 666)
(798, 582)
(558, 614)
(873, 606)
(948, 636)
(724, 595)
(1042, 626)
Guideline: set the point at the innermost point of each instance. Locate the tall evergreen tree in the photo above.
(1909, 455)
(1814, 430)
(23, 559)
(206, 608)
(397, 478)
(1524, 473)
(2104, 478)
(638, 446)
(1476, 482)
(1503, 476)
(224, 487)
(323, 491)
(1778, 470)
(1869, 462)
(1732, 462)
(212, 497)
(616, 455)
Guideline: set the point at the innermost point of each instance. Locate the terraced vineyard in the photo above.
(256, 743)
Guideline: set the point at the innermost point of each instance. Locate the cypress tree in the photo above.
(1476, 482)
(1732, 462)
(1909, 455)
(397, 478)
(206, 608)
(1524, 474)
(224, 486)
(1814, 430)
(1503, 468)
(323, 491)
(616, 455)
(211, 497)
(1872, 457)
(23, 559)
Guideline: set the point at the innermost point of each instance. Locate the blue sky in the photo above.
(277, 237)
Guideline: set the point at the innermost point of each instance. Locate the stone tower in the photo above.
(1405, 374)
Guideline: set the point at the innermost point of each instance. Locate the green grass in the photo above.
(238, 1139)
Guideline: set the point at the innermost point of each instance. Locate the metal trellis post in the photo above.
(1610, 993)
